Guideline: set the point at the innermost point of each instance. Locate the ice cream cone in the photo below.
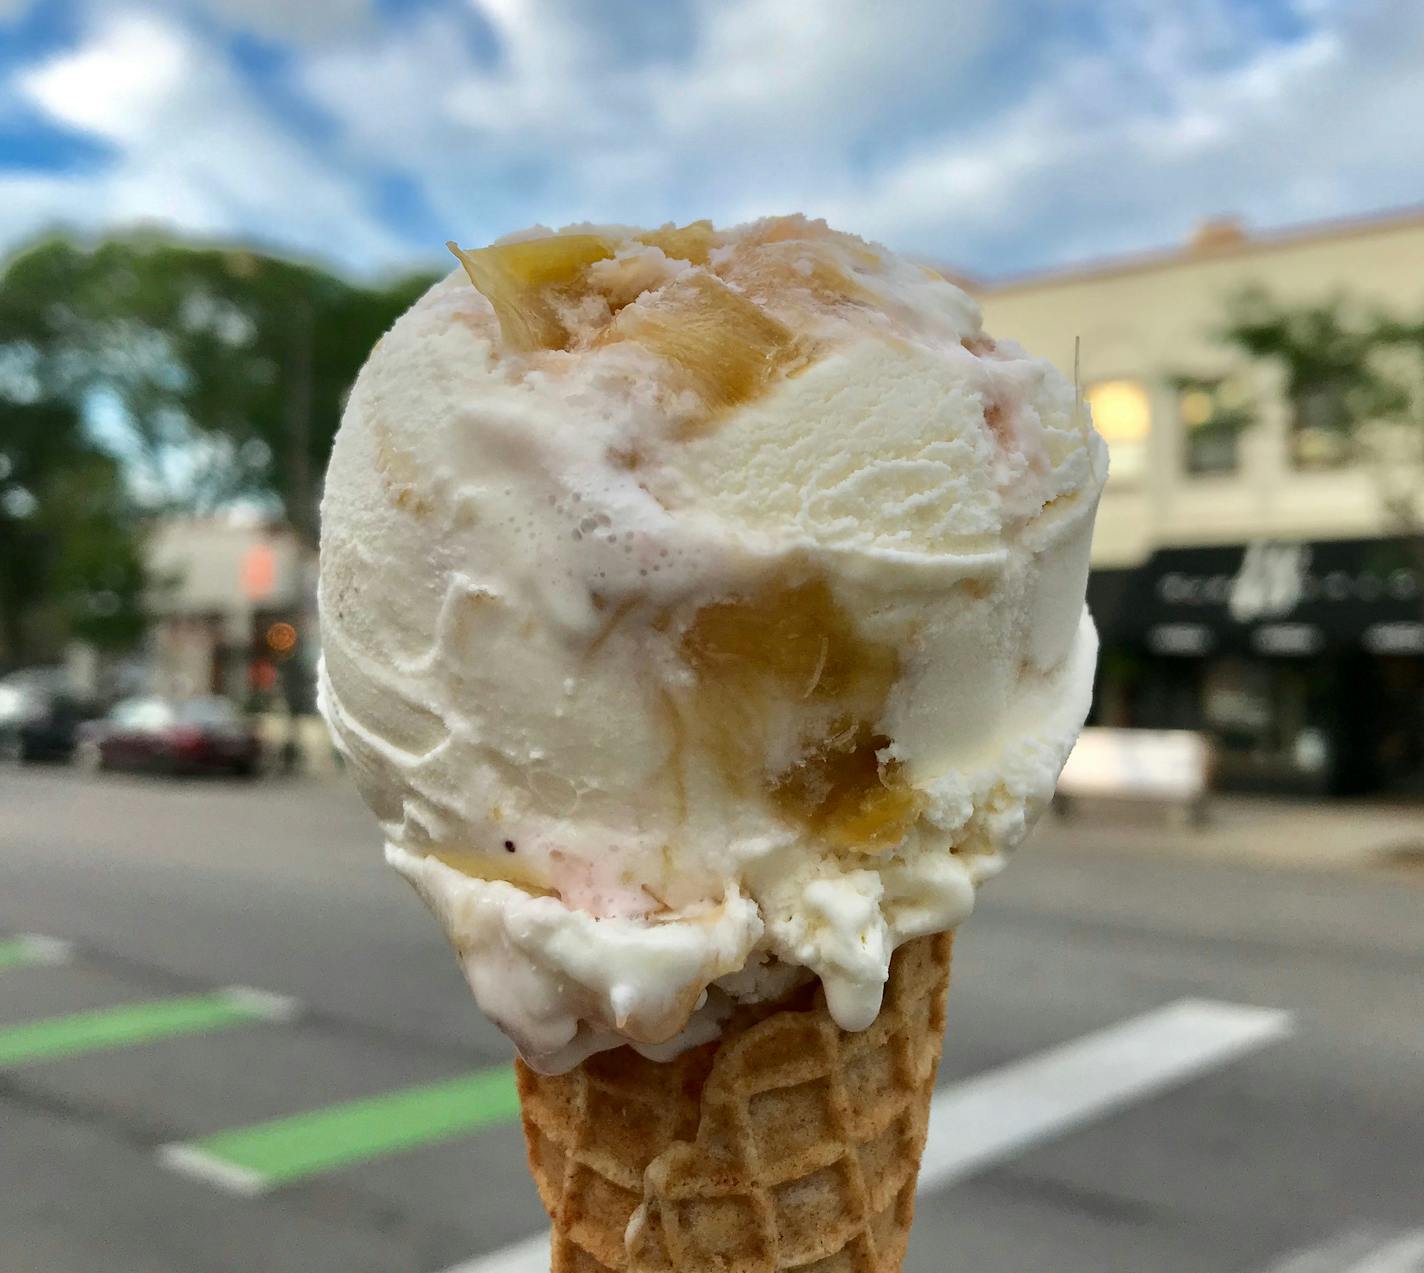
(687, 595)
(786, 1144)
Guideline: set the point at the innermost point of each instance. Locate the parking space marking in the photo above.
(1359, 1251)
(34, 948)
(79, 1033)
(984, 1120)
(252, 1160)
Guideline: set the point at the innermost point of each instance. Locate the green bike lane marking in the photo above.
(252, 1160)
(100, 1029)
(31, 948)
(261, 1156)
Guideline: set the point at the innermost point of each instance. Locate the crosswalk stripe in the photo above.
(999, 1114)
(1356, 1252)
(33, 948)
(54, 1038)
(1403, 1256)
(1359, 1251)
(530, 1256)
(986, 1119)
(251, 1160)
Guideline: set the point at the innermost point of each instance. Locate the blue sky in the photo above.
(994, 137)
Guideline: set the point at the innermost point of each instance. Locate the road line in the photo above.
(53, 1038)
(1359, 1251)
(1341, 1251)
(984, 1120)
(1002, 1113)
(1404, 1256)
(251, 1160)
(529, 1256)
(263, 1003)
(34, 948)
(189, 1160)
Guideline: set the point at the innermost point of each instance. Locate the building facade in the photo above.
(1247, 580)
(231, 612)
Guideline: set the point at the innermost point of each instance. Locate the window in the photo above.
(1214, 412)
(1320, 427)
(1122, 414)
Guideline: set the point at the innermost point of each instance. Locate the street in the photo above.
(231, 1039)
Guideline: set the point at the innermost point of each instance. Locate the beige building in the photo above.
(227, 600)
(1245, 575)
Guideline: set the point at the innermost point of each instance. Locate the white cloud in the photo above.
(119, 85)
(1294, 132)
(989, 136)
(189, 146)
(302, 20)
(755, 111)
(902, 121)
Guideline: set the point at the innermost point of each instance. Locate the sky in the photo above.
(993, 137)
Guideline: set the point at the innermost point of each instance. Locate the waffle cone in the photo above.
(788, 1144)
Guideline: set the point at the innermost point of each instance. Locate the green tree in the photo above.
(70, 559)
(1339, 379)
(228, 369)
(1354, 377)
(235, 361)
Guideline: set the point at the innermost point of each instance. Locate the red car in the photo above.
(198, 735)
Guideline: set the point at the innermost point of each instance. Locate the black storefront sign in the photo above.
(1271, 598)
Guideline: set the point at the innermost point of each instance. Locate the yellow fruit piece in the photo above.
(784, 269)
(558, 260)
(793, 644)
(523, 280)
(485, 866)
(797, 230)
(844, 793)
(871, 820)
(692, 242)
(796, 636)
(726, 345)
(784, 229)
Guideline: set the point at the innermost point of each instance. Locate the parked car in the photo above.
(199, 735)
(40, 717)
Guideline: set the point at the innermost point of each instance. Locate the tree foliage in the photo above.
(1351, 372)
(70, 562)
(222, 371)
(229, 365)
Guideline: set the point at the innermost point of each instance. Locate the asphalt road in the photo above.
(1294, 1143)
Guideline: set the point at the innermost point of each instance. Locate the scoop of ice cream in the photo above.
(702, 610)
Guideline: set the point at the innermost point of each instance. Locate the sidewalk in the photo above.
(1287, 831)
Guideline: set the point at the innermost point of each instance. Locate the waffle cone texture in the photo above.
(787, 1144)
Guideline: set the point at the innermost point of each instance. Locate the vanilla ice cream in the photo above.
(702, 611)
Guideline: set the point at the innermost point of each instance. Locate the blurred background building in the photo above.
(1258, 570)
(1257, 566)
(229, 611)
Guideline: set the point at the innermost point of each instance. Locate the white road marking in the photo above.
(986, 1119)
(1359, 1251)
(46, 950)
(530, 1256)
(996, 1115)
(192, 1161)
(1406, 1255)
(263, 1003)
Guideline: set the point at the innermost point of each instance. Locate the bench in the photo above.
(1166, 766)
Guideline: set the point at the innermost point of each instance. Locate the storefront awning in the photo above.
(1272, 597)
